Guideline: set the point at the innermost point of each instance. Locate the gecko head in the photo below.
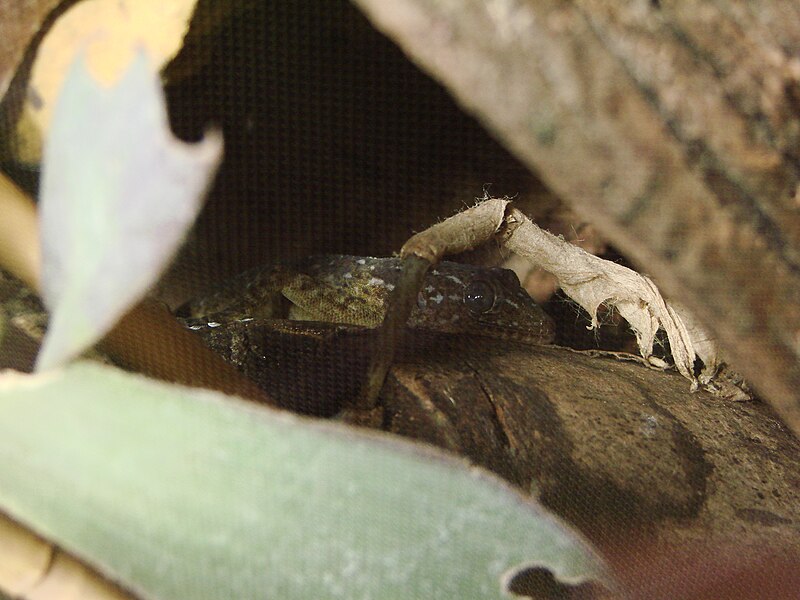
(459, 298)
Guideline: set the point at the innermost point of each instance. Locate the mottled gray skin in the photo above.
(455, 298)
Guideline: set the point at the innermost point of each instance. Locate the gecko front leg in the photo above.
(459, 233)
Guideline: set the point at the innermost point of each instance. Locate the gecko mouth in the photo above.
(543, 332)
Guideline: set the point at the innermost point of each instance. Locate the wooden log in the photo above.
(672, 126)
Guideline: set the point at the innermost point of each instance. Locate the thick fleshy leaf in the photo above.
(118, 195)
(185, 493)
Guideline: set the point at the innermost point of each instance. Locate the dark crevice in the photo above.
(695, 466)
(498, 418)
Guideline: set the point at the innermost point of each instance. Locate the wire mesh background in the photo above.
(335, 142)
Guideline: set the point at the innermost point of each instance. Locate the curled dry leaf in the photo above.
(676, 136)
(588, 279)
(591, 281)
(118, 194)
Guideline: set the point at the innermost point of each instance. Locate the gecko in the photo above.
(354, 290)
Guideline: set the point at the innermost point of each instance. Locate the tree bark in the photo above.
(621, 450)
(618, 449)
(672, 126)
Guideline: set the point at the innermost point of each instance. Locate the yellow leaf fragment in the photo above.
(109, 32)
(68, 579)
(19, 25)
(24, 558)
(32, 568)
(20, 253)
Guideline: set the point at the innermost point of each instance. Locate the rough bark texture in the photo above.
(619, 449)
(612, 446)
(673, 126)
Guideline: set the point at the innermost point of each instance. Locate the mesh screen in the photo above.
(336, 143)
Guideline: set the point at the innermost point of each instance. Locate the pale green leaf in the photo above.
(118, 195)
(181, 493)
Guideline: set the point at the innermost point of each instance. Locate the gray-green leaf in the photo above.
(184, 493)
(118, 195)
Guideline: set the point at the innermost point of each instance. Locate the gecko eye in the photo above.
(479, 297)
